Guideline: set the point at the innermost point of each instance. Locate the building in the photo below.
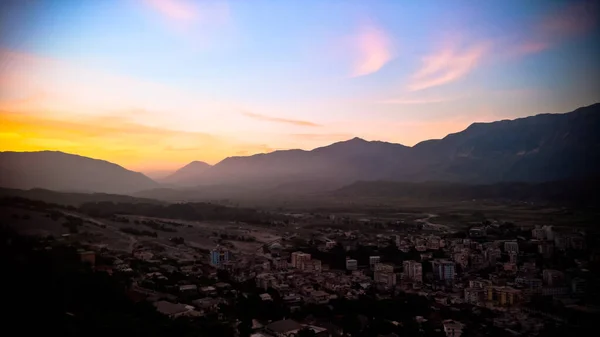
(443, 270)
(493, 254)
(474, 295)
(433, 242)
(413, 271)
(279, 263)
(452, 328)
(512, 257)
(552, 277)
(351, 264)
(511, 247)
(219, 256)
(298, 259)
(504, 296)
(533, 284)
(373, 260)
(386, 278)
(174, 310)
(310, 265)
(266, 297)
(384, 267)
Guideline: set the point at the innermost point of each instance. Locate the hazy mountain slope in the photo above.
(339, 162)
(187, 175)
(534, 149)
(66, 172)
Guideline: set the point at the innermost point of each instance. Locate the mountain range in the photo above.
(541, 148)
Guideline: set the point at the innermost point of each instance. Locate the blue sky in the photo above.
(221, 78)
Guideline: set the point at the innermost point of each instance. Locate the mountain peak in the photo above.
(188, 173)
(196, 163)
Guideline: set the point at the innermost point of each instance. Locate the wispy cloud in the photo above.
(322, 136)
(410, 101)
(187, 12)
(178, 10)
(373, 49)
(451, 63)
(278, 119)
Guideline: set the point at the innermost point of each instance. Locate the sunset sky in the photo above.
(154, 84)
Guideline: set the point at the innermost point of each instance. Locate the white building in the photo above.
(452, 328)
(351, 264)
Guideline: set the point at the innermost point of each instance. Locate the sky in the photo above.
(154, 84)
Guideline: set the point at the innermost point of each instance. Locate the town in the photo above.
(388, 279)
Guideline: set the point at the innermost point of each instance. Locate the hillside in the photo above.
(540, 148)
(67, 172)
(71, 199)
(580, 192)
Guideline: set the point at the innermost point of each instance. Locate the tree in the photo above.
(306, 332)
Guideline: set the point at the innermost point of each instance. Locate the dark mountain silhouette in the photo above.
(537, 149)
(540, 148)
(187, 175)
(67, 172)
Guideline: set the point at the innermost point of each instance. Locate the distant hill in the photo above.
(67, 172)
(72, 199)
(580, 192)
(187, 175)
(540, 148)
(337, 163)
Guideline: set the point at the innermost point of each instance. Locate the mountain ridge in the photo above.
(544, 147)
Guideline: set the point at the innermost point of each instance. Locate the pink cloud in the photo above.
(373, 50)
(278, 119)
(447, 65)
(183, 14)
(411, 101)
(179, 10)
